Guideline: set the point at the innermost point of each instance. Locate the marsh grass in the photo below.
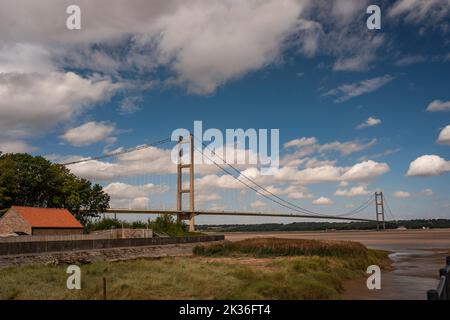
(269, 247)
(276, 276)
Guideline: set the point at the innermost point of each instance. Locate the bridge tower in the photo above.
(379, 209)
(182, 215)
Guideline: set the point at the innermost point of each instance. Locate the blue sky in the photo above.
(375, 102)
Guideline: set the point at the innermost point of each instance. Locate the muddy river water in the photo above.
(416, 255)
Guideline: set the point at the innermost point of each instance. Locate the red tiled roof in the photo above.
(48, 217)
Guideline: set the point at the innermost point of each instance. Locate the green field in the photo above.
(250, 269)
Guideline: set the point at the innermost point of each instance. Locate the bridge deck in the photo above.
(236, 213)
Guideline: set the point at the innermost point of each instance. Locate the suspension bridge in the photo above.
(148, 157)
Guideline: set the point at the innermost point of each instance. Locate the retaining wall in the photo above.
(15, 248)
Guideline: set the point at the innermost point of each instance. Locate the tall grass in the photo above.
(269, 247)
(290, 269)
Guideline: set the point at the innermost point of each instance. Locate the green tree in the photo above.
(34, 181)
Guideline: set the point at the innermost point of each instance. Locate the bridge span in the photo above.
(234, 213)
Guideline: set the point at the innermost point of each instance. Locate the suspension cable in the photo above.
(118, 153)
(289, 205)
(300, 209)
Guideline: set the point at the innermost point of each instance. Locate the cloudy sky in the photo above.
(358, 110)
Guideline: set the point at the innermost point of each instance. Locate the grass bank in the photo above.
(254, 269)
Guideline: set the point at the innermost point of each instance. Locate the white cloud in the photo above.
(15, 146)
(204, 43)
(307, 146)
(370, 122)
(444, 136)
(257, 204)
(438, 105)
(352, 192)
(409, 60)
(426, 192)
(418, 11)
(130, 105)
(402, 194)
(295, 192)
(348, 91)
(149, 160)
(365, 170)
(34, 102)
(358, 50)
(210, 42)
(301, 142)
(205, 196)
(347, 148)
(25, 58)
(89, 133)
(323, 201)
(128, 191)
(132, 196)
(428, 165)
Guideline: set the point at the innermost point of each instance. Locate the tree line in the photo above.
(27, 180)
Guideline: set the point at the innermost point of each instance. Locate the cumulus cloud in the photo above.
(438, 105)
(203, 43)
(444, 136)
(370, 122)
(123, 190)
(224, 41)
(203, 196)
(348, 91)
(365, 170)
(428, 165)
(89, 133)
(15, 146)
(34, 102)
(132, 196)
(258, 204)
(402, 194)
(352, 192)
(148, 160)
(323, 201)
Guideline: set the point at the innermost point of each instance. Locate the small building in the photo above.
(39, 221)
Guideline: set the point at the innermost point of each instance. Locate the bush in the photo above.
(163, 224)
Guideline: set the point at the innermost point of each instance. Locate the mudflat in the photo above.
(416, 255)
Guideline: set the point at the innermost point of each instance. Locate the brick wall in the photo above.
(11, 222)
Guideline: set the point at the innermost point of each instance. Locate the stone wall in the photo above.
(91, 256)
(16, 248)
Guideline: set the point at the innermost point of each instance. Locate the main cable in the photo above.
(303, 210)
(119, 153)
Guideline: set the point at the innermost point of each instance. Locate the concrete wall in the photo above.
(12, 222)
(15, 248)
